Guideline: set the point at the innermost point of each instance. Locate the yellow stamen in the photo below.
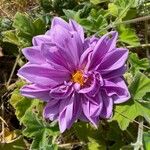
(78, 77)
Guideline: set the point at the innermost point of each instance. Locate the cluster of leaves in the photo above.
(29, 113)
(97, 17)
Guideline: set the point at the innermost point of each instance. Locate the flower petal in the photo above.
(51, 110)
(113, 60)
(69, 111)
(93, 85)
(115, 73)
(92, 108)
(33, 54)
(85, 59)
(103, 46)
(43, 75)
(61, 22)
(35, 91)
(54, 55)
(78, 28)
(39, 39)
(61, 92)
(117, 89)
(70, 43)
(107, 106)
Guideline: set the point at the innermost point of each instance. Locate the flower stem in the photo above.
(141, 45)
(13, 70)
(139, 143)
(117, 22)
(144, 18)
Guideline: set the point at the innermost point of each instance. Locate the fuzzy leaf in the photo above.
(69, 13)
(10, 36)
(95, 2)
(127, 112)
(113, 9)
(123, 7)
(22, 104)
(138, 64)
(146, 142)
(42, 133)
(26, 28)
(94, 25)
(140, 86)
(39, 26)
(128, 36)
(93, 137)
(23, 23)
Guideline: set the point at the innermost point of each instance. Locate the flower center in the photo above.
(78, 77)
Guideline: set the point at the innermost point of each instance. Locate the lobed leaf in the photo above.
(42, 133)
(127, 112)
(138, 64)
(128, 36)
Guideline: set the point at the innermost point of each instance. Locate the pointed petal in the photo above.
(107, 106)
(69, 112)
(92, 108)
(61, 22)
(78, 28)
(33, 54)
(35, 91)
(108, 64)
(43, 75)
(51, 110)
(55, 56)
(40, 39)
(61, 92)
(114, 73)
(93, 86)
(105, 44)
(69, 43)
(117, 89)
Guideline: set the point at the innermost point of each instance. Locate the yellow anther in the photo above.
(78, 77)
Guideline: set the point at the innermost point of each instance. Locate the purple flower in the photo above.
(78, 78)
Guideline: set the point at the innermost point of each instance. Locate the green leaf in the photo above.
(128, 36)
(140, 86)
(95, 2)
(10, 36)
(146, 138)
(29, 113)
(22, 104)
(113, 9)
(42, 133)
(26, 28)
(39, 26)
(93, 144)
(127, 112)
(94, 25)
(122, 111)
(87, 24)
(23, 23)
(147, 97)
(138, 64)
(69, 13)
(93, 137)
(46, 5)
(101, 22)
(123, 7)
(116, 136)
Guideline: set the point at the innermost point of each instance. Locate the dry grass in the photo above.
(8, 8)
